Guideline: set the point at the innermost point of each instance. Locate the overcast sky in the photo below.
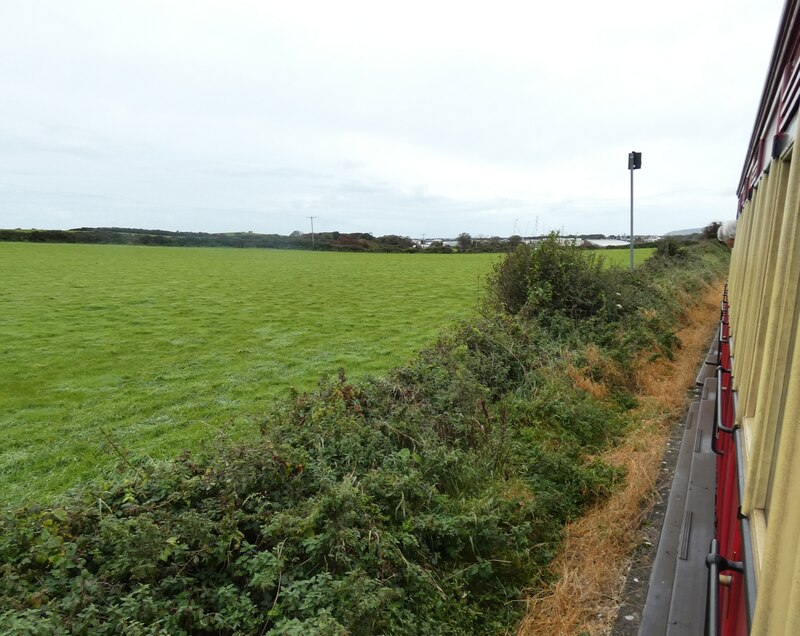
(413, 118)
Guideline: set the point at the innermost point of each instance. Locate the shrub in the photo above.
(547, 279)
(670, 248)
(398, 506)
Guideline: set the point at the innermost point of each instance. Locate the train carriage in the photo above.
(728, 561)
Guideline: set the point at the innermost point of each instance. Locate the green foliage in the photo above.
(570, 291)
(423, 502)
(549, 278)
(332, 241)
(405, 505)
(464, 241)
(670, 248)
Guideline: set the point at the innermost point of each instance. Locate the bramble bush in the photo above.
(570, 292)
(424, 502)
(549, 279)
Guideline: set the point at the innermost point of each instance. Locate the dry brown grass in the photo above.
(595, 389)
(595, 372)
(590, 570)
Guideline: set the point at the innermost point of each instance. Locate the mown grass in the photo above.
(158, 349)
(622, 258)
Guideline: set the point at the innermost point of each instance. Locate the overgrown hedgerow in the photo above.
(424, 502)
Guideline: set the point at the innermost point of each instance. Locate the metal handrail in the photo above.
(718, 425)
(745, 566)
(719, 340)
(747, 539)
(712, 605)
(717, 564)
(711, 363)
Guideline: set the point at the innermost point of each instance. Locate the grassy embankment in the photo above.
(425, 502)
(583, 598)
(164, 347)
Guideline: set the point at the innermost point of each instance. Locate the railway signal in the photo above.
(634, 163)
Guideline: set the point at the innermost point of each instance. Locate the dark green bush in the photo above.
(670, 248)
(568, 291)
(398, 506)
(549, 278)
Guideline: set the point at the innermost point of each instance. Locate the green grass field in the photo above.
(160, 348)
(154, 350)
(622, 258)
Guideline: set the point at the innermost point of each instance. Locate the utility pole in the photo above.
(313, 244)
(634, 163)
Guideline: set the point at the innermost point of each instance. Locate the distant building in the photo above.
(607, 242)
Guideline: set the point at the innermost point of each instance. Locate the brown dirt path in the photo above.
(597, 554)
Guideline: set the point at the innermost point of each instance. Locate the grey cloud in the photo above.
(232, 170)
(255, 115)
(13, 145)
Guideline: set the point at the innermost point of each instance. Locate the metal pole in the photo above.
(631, 217)
(313, 245)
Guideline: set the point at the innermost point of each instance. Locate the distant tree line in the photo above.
(331, 241)
(324, 241)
